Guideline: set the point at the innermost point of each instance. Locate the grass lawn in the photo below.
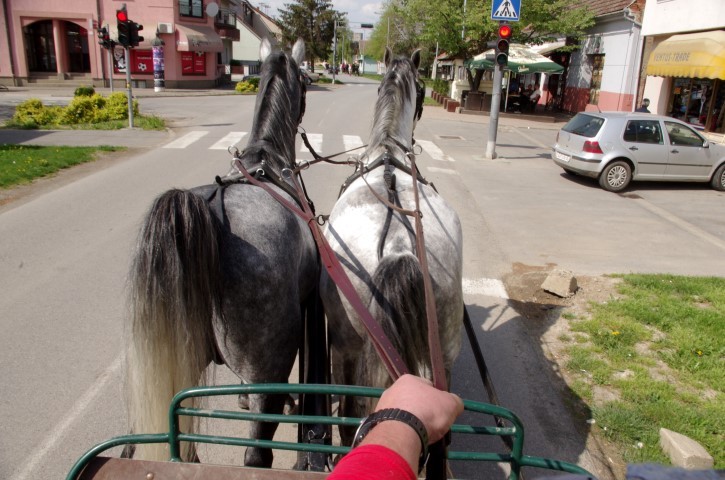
(20, 164)
(654, 359)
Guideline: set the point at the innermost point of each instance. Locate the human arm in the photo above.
(436, 409)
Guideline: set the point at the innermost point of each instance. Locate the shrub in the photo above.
(84, 91)
(32, 113)
(246, 87)
(117, 106)
(84, 109)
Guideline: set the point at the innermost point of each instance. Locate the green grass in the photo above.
(661, 348)
(20, 164)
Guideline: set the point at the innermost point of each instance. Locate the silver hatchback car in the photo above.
(618, 147)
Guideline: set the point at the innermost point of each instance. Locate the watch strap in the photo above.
(398, 415)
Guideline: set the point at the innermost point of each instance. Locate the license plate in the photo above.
(562, 157)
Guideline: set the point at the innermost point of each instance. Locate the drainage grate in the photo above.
(450, 137)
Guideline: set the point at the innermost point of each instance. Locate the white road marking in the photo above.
(231, 138)
(489, 287)
(77, 412)
(187, 139)
(315, 140)
(433, 150)
(352, 141)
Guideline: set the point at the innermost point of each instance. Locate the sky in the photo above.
(357, 12)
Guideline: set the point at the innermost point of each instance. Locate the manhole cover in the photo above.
(450, 137)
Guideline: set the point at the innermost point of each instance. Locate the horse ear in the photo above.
(264, 49)
(388, 57)
(298, 51)
(416, 59)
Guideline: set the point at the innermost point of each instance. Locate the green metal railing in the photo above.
(516, 459)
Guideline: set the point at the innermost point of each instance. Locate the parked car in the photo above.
(618, 147)
(310, 74)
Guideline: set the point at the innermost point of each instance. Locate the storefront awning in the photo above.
(693, 55)
(198, 39)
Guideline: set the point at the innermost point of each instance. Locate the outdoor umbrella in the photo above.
(521, 60)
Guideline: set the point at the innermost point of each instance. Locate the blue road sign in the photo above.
(506, 10)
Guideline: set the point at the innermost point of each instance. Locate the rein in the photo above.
(390, 357)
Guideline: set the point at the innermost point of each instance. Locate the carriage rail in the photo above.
(516, 459)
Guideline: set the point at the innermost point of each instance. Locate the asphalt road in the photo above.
(64, 255)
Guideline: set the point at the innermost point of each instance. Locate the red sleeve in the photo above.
(372, 462)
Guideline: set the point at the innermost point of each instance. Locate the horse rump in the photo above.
(173, 293)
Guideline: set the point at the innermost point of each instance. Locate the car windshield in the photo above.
(584, 125)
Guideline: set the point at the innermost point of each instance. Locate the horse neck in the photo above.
(274, 129)
(393, 126)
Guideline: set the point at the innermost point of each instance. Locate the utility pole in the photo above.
(334, 51)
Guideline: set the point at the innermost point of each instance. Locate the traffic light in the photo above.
(124, 27)
(104, 38)
(502, 47)
(134, 38)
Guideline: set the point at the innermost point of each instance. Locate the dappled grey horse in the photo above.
(221, 273)
(376, 244)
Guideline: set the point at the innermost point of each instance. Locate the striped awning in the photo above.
(692, 55)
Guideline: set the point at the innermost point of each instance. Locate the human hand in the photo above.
(435, 408)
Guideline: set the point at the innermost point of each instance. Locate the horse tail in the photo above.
(174, 293)
(398, 304)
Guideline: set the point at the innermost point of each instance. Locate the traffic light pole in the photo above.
(495, 107)
(127, 53)
(110, 66)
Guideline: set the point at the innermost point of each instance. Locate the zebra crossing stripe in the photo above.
(433, 150)
(442, 170)
(187, 139)
(352, 141)
(315, 140)
(231, 138)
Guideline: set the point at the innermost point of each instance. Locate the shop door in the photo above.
(40, 47)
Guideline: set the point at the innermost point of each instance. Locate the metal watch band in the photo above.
(399, 415)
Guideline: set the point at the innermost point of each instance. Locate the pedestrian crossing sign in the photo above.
(506, 10)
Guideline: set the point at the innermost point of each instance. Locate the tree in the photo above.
(314, 22)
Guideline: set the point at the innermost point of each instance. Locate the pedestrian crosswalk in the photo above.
(319, 142)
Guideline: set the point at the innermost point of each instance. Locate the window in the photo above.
(584, 125)
(643, 131)
(682, 135)
(597, 62)
(191, 8)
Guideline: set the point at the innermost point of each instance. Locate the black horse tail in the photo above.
(174, 294)
(398, 304)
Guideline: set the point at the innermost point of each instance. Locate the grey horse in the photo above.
(223, 273)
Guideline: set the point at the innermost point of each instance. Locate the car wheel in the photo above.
(616, 176)
(718, 180)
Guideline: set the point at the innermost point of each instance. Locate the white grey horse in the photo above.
(377, 247)
(225, 282)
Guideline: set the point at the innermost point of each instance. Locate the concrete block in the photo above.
(561, 283)
(685, 452)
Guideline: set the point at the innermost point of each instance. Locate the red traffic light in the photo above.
(504, 31)
(122, 15)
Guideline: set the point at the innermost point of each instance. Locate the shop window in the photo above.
(142, 61)
(690, 99)
(191, 8)
(193, 63)
(595, 86)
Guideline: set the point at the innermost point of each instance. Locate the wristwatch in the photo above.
(399, 415)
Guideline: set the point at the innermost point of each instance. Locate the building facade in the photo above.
(56, 42)
(683, 63)
(603, 74)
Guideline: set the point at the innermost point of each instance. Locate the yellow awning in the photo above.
(693, 55)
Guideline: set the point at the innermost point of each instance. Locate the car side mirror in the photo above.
(705, 144)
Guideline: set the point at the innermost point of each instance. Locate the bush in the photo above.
(84, 91)
(247, 86)
(441, 86)
(83, 109)
(117, 106)
(32, 113)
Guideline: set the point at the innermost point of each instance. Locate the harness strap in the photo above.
(387, 353)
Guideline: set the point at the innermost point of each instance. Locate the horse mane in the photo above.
(277, 113)
(396, 89)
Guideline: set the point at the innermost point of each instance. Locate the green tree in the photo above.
(314, 22)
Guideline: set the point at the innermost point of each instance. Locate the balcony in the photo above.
(225, 24)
